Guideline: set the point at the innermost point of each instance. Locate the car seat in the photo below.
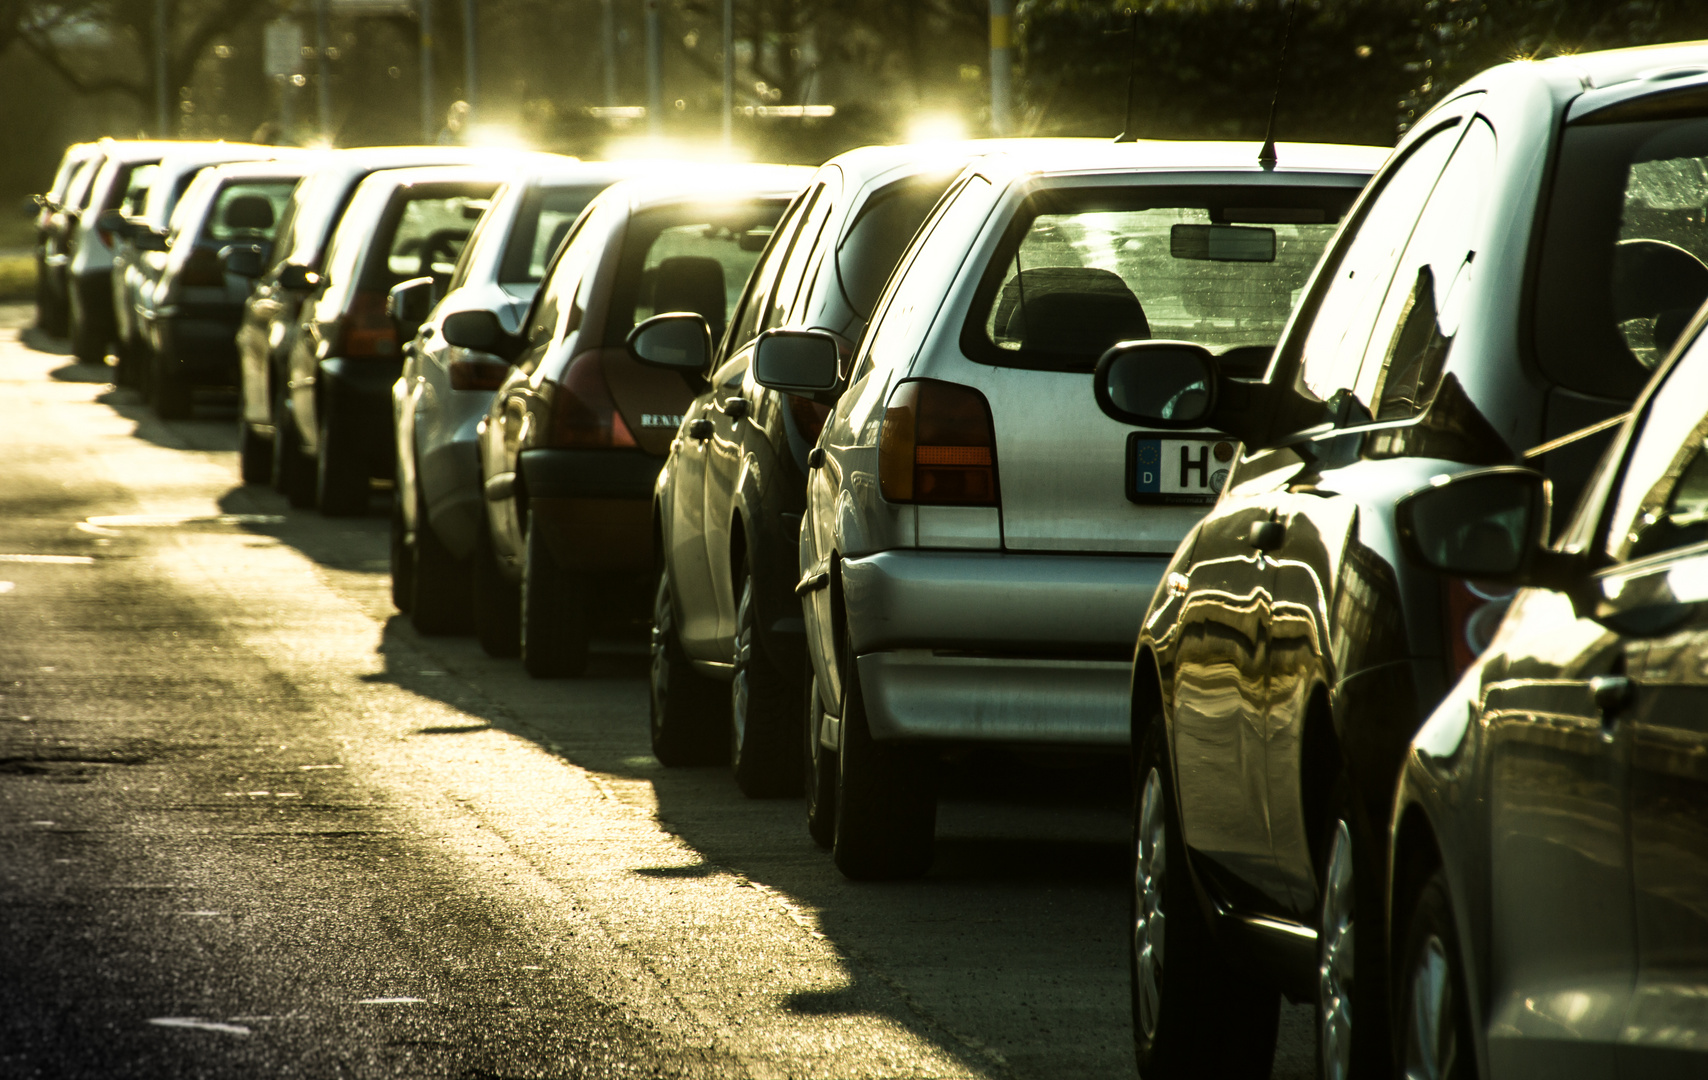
(1076, 310)
(691, 283)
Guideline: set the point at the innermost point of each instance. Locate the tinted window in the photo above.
(219, 231)
(748, 320)
(542, 222)
(556, 310)
(423, 236)
(1083, 269)
(879, 234)
(1621, 268)
(800, 251)
(1662, 500)
(688, 258)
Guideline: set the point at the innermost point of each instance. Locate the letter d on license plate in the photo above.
(1188, 471)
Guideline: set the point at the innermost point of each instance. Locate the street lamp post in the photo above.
(162, 117)
(429, 114)
(1001, 66)
(654, 71)
(323, 68)
(469, 56)
(729, 73)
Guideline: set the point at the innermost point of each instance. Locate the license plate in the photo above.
(1190, 471)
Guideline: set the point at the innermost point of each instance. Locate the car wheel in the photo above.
(1434, 1015)
(764, 709)
(402, 559)
(86, 343)
(50, 309)
(340, 475)
(1186, 999)
(554, 614)
(254, 455)
(886, 798)
(686, 706)
(497, 603)
(293, 476)
(440, 602)
(1350, 1002)
(169, 389)
(820, 770)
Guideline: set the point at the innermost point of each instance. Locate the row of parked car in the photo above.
(1239, 463)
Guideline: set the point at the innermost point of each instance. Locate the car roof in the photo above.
(294, 165)
(432, 174)
(1063, 157)
(126, 151)
(1611, 67)
(710, 182)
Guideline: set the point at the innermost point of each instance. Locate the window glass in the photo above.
(236, 216)
(1083, 269)
(879, 234)
(1415, 326)
(136, 189)
(77, 192)
(541, 223)
(556, 301)
(1622, 264)
(1340, 325)
(428, 236)
(1662, 500)
(795, 262)
(688, 258)
(757, 297)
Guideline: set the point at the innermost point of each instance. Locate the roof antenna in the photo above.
(1266, 158)
(1128, 135)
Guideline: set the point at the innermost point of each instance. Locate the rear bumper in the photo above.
(356, 395)
(203, 343)
(998, 646)
(594, 505)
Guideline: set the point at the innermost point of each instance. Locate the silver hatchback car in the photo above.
(979, 539)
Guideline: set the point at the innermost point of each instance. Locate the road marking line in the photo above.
(154, 521)
(200, 1025)
(392, 1001)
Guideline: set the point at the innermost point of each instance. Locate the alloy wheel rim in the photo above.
(1335, 971)
(1432, 1041)
(739, 690)
(1149, 870)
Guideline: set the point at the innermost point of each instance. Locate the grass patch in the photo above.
(17, 277)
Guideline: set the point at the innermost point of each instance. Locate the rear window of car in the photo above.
(1081, 269)
(880, 233)
(235, 216)
(423, 236)
(542, 221)
(688, 258)
(1624, 258)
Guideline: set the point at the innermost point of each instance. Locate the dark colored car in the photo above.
(1550, 839)
(439, 512)
(281, 283)
(189, 309)
(573, 441)
(52, 218)
(1498, 296)
(337, 427)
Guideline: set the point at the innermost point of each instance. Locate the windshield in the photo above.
(1624, 260)
(1082, 270)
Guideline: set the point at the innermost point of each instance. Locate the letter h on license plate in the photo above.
(1180, 471)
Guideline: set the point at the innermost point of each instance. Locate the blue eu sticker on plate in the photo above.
(1177, 470)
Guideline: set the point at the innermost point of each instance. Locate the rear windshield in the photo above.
(542, 221)
(1082, 269)
(238, 214)
(880, 233)
(423, 236)
(137, 187)
(1624, 258)
(689, 258)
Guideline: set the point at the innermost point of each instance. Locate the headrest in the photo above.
(691, 283)
(249, 212)
(1652, 276)
(1078, 310)
(559, 231)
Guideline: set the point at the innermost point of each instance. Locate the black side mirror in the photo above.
(243, 260)
(1487, 524)
(409, 303)
(1158, 384)
(144, 239)
(806, 363)
(679, 341)
(297, 278)
(479, 330)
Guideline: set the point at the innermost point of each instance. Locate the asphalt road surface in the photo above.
(251, 825)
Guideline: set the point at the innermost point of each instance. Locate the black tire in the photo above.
(819, 766)
(686, 707)
(293, 473)
(886, 797)
(1193, 1014)
(402, 559)
(764, 709)
(554, 614)
(1351, 1003)
(50, 308)
(87, 344)
(169, 389)
(254, 455)
(497, 602)
(340, 474)
(1434, 1036)
(441, 603)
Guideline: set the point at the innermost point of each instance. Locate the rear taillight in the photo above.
(937, 446)
(1473, 614)
(583, 414)
(478, 374)
(202, 268)
(367, 330)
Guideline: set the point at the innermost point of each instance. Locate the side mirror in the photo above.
(479, 330)
(1487, 524)
(144, 239)
(679, 341)
(1157, 384)
(409, 303)
(805, 363)
(242, 260)
(297, 278)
